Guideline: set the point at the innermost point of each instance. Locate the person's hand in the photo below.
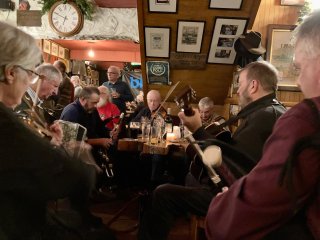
(115, 95)
(192, 122)
(106, 142)
(114, 133)
(224, 189)
(56, 133)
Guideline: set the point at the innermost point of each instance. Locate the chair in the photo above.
(197, 223)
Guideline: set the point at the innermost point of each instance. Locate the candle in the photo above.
(171, 136)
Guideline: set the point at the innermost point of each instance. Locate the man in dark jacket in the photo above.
(120, 91)
(260, 110)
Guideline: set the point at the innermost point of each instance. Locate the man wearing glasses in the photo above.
(45, 82)
(120, 91)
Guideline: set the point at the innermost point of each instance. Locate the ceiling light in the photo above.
(91, 53)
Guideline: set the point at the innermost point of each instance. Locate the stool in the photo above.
(196, 223)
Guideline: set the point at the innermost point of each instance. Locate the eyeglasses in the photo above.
(34, 76)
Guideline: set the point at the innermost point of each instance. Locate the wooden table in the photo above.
(139, 145)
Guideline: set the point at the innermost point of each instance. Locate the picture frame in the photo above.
(54, 49)
(162, 6)
(157, 41)
(190, 36)
(61, 53)
(46, 46)
(226, 32)
(225, 4)
(158, 72)
(280, 53)
(292, 2)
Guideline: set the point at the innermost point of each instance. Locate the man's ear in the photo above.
(255, 85)
(9, 75)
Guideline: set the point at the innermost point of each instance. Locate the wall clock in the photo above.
(66, 19)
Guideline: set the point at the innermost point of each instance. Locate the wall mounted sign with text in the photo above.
(158, 72)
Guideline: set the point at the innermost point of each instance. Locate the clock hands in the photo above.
(59, 15)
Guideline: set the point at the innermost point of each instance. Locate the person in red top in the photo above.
(106, 109)
(280, 197)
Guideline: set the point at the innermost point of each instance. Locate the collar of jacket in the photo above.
(264, 101)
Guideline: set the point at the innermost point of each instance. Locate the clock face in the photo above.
(65, 19)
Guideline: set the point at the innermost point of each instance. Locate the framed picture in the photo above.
(61, 53)
(54, 49)
(189, 37)
(157, 41)
(225, 4)
(46, 46)
(280, 53)
(292, 2)
(226, 31)
(163, 6)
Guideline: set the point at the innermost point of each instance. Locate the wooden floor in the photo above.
(129, 218)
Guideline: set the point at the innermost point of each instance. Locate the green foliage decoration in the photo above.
(304, 11)
(85, 6)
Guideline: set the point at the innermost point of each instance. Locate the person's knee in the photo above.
(163, 192)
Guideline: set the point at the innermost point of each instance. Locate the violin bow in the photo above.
(165, 99)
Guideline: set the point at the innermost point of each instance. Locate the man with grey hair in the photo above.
(120, 91)
(47, 85)
(207, 114)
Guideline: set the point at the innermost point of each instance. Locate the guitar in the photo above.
(209, 158)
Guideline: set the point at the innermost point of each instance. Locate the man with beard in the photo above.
(84, 111)
(260, 110)
(107, 109)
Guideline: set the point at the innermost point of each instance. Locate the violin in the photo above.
(159, 112)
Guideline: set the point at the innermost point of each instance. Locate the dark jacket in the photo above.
(32, 172)
(74, 112)
(125, 94)
(257, 121)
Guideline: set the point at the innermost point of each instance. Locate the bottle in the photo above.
(168, 121)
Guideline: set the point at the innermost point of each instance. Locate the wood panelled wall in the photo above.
(271, 12)
(215, 79)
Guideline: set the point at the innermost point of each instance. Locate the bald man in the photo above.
(120, 91)
(153, 100)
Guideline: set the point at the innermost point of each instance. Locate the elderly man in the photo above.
(207, 114)
(260, 110)
(107, 109)
(120, 91)
(48, 83)
(153, 100)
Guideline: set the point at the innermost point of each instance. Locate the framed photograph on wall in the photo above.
(225, 4)
(163, 6)
(280, 53)
(292, 2)
(54, 49)
(157, 41)
(226, 31)
(46, 46)
(190, 35)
